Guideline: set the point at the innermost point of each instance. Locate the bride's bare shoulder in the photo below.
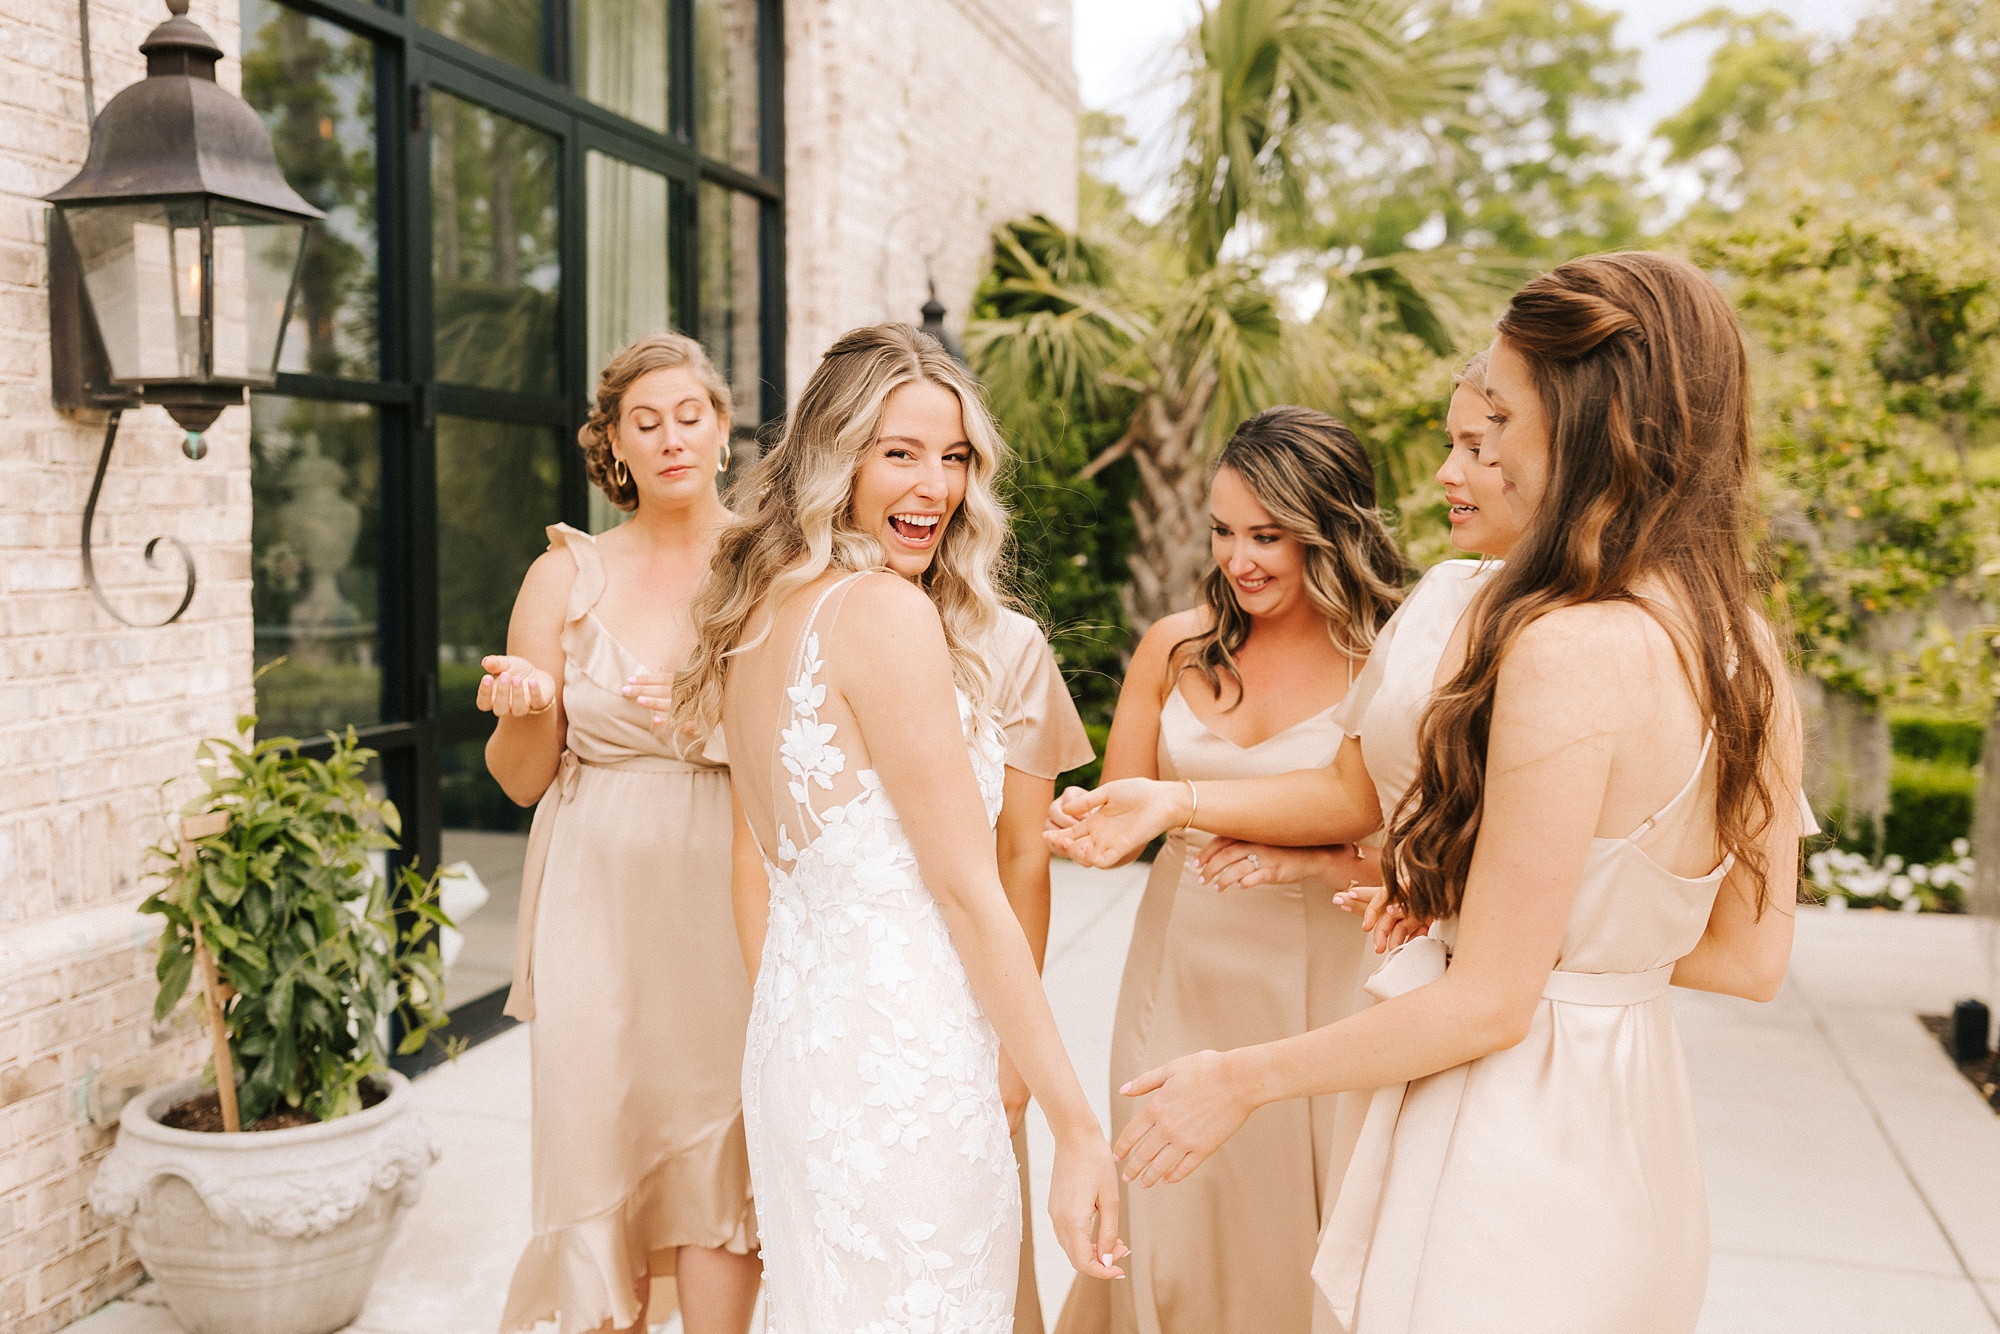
(886, 628)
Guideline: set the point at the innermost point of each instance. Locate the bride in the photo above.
(840, 649)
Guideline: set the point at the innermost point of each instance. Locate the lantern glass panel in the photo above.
(255, 258)
(142, 270)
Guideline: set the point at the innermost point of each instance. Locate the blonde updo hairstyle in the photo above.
(795, 517)
(654, 352)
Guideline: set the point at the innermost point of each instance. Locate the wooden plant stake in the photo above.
(212, 986)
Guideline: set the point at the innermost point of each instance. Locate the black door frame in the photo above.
(411, 61)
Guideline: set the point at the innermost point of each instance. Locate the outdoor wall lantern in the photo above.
(173, 257)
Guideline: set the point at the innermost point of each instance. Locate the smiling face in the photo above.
(1518, 438)
(670, 436)
(1265, 565)
(1481, 521)
(913, 478)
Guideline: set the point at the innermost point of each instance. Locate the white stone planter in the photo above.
(276, 1232)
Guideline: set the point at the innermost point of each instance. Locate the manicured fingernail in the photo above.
(630, 679)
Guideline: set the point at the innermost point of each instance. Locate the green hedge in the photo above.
(1930, 804)
(1925, 735)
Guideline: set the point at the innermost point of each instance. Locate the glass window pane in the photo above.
(314, 84)
(725, 81)
(498, 488)
(315, 563)
(621, 57)
(729, 297)
(627, 261)
(494, 257)
(486, 834)
(509, 30)
(142, 267)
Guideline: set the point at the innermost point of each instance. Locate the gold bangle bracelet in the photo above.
(1194, 804)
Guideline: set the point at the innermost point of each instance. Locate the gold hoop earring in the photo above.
(727, 454)
(620, 474)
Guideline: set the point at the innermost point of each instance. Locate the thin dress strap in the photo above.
(1700, 766)
(805, 757)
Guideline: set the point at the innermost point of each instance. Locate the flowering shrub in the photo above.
(1851, 880)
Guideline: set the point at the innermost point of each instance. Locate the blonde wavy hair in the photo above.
(795, 520)
(654, 352)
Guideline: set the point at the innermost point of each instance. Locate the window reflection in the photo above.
(620, 51)
(725, 81)
(494, 257)
(729, 297)
(498, 489)
(628, 272)
(484, 841)
(315, 540)
(314, 85)
(509, 30)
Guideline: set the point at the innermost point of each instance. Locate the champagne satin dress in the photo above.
(1230, 1249)
(627, 965)
(1554, 1187)
(1045, 738)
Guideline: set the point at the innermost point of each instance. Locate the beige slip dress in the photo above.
(628, 967)
(1230, 1248)
(1554, 1187)
(1045, 738)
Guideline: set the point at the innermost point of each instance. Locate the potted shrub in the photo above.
(262, 1194)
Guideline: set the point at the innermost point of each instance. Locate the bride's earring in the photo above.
(726, 456)
(620, 474)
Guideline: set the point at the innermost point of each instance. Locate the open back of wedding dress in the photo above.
(879, 1152)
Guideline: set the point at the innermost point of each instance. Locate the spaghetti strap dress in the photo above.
(629, 974)
(1045, 739)
(1555, 1187)
(1229, 1249)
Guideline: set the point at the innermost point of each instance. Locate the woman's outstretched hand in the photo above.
(1110, 825)
(1083, 1190)
(1386, 923)
(514, 687)
(1197, 1103)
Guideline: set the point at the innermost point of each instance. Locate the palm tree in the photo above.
(1188, 332)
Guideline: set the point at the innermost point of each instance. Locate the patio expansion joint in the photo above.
(1895, 1149)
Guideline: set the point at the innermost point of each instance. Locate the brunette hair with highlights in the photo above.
(654, 352)
(1314, 477)
(1640, 368)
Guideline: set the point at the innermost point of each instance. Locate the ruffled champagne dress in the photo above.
(1229, 1250)
(628, 967)
(1554, 1187)
(1045, 738)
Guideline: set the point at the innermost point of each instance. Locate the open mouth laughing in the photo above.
(916, 530)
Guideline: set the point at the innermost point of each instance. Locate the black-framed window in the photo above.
(514, 189)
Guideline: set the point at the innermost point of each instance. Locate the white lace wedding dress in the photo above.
(879, 1152)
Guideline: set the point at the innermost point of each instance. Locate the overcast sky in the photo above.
(1118, 45)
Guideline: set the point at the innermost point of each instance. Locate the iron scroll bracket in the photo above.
(152, 547)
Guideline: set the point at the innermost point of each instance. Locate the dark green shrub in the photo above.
(1930, 804)
(1922, 734)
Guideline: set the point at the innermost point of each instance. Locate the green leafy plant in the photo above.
(270, 881)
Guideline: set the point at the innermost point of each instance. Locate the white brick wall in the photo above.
(94, 716)
(911, 130)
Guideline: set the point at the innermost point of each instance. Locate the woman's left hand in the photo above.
(1197, 1103)
(1228, 863)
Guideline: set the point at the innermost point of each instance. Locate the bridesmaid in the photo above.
(1406, 653)
(1602, 806)
(1045, 738)
(625, 955)
(1247, 683)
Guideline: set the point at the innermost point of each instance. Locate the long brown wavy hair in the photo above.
(1313, 475)
(794, 519)
(1640, 369)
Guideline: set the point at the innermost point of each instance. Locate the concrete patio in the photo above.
(1854, 1176)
